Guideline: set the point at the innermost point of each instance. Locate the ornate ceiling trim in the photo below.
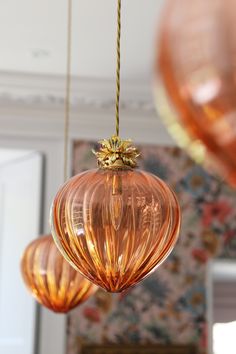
(33, 106)
(34, 90)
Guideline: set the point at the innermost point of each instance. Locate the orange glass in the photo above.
(51, 279)
(115, 226)
(197, 61)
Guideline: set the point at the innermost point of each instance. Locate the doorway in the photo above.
(222, 304)
(21, 174)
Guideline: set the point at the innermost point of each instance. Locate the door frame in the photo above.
(52, 328)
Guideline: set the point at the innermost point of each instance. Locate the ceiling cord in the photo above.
(67, 90)
(118, 68)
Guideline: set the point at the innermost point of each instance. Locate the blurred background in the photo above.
(189, 304)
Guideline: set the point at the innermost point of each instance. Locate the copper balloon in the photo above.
(197, 62)
(115, 225)
(50, 278)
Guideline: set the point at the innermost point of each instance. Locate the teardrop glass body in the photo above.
(51, 279)
(115, 226)
(196, 59)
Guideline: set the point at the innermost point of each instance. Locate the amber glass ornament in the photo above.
(115, 224)
(50, 278)
(197, 61)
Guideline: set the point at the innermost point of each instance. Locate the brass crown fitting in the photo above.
(117, 153)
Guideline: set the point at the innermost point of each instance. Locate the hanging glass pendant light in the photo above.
(50, 278)
(196, 60)
(115, 224)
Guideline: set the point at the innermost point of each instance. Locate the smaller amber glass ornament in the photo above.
(196, 57)
(115, 224)
(51, 279)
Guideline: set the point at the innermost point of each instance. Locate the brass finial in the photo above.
(116, 153)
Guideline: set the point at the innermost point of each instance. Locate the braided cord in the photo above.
(67, 90)
(118, 68)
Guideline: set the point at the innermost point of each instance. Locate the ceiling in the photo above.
(33, 37)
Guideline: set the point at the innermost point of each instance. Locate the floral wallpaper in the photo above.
(170, 305)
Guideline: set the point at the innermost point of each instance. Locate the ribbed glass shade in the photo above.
(197, 61)
(51, 279)
(115, 226)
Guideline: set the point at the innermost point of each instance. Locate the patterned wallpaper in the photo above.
(170, 305)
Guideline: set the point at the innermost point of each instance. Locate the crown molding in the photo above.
(48, 91)
(33, 106)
